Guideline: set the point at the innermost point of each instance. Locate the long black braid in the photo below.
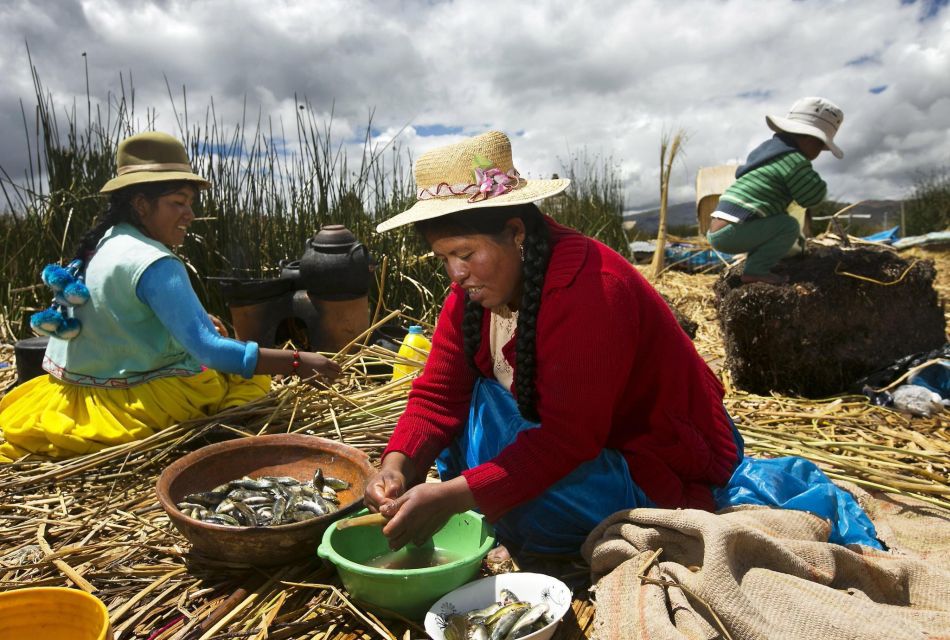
(537, 253)
(119, 210)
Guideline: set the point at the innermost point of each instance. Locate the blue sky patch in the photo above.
(878, 89)
(437, 130)
(928, 8)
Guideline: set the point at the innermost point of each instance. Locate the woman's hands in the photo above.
(315, 364)
(423, 510)
(414, 514)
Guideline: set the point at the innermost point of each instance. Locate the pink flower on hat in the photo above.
(492, 182)
(489, 179)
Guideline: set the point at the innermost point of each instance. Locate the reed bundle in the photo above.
(94, 521)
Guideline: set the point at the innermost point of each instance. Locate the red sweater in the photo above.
(614, 370)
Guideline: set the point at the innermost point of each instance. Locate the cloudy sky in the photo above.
(608, 77)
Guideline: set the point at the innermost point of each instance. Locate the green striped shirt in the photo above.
(768, 190)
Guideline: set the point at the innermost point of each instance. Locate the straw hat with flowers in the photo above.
(152, 156)
(471, 174)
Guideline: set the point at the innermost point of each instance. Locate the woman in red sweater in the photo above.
(559, 388)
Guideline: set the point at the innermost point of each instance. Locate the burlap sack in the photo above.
(906, 525)
(755, 573)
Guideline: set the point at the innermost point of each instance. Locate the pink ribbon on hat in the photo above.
(488, 183)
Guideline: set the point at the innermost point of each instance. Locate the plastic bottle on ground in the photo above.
(415, 347)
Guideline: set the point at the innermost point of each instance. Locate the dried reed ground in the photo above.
(94, 522)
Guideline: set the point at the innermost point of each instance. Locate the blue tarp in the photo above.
(692, 257)
(935, 377)
(886, 237)
(796, 483)
(683, 255)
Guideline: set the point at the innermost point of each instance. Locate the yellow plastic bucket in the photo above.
(53, 613)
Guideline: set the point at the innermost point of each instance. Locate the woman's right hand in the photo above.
(390, 482)
(383, 489)
(281, 362)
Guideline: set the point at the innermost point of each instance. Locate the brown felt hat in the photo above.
(472, 174)
(152, 156)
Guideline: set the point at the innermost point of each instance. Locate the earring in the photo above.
(521, 247)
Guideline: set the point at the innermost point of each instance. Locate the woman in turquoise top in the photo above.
(147, 355)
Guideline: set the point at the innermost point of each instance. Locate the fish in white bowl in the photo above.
(526, 606)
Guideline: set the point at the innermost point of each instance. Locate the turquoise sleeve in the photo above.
(164, 286)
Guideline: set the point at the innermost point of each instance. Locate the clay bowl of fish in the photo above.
(263, 500)
(407, 581)
(521, 605)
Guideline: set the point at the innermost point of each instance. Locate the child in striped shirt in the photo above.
(751, 216)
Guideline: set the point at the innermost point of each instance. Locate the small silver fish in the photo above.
(222, 518)
(318, 508)
(524, 624)
(478, 631)
(250, 483)
(208, 499)
(268, 500)
(483, 613)
(456, 628)
(245, 515)
(318, 480)
(335, 483)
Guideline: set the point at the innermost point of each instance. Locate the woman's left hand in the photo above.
(216, 321)
(423, 510)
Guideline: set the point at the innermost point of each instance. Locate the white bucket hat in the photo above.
(471, 174)
(814, 117)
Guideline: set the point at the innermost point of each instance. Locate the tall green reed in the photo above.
(272, 190)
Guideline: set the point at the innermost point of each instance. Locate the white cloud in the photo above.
(608, 77)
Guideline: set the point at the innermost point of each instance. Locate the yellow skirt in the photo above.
(60, 420)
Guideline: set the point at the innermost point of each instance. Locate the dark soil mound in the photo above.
(687, 325)
(844, 314)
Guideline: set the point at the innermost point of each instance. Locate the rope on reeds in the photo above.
(872, 280)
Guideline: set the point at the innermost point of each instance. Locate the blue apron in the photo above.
(558, 520)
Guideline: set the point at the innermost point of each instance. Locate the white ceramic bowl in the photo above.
(529, 587)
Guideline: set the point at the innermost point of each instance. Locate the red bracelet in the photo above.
(296, 363)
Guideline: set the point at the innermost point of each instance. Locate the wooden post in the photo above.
(668, 151)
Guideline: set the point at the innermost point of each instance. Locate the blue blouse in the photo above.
(164, 286)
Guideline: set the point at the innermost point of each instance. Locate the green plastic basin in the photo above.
(464, 540)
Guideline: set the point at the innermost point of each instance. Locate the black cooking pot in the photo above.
(290, 270)
(334, 263)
